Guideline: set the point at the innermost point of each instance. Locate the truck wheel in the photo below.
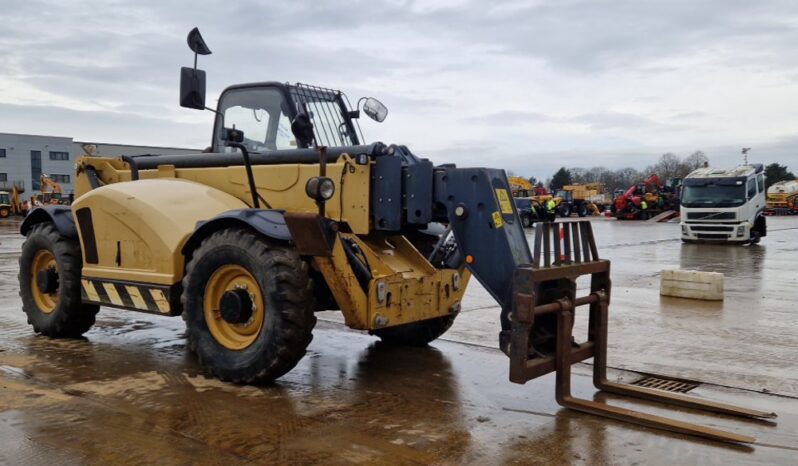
(417, 333)
(248, 306)
(49, 284)
(4, 212)
(581, 210)
(526, 221)
(565, 210)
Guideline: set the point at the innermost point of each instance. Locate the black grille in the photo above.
(711, 237)
(326, 108)
(711, 228)
(668, 385)
(710, 215)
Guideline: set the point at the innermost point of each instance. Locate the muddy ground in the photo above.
(130, 393)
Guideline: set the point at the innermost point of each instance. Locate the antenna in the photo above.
(745, 155)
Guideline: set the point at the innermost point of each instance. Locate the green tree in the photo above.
(561, 178)
(775, 173)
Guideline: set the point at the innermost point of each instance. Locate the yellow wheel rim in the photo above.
(232, 336)
(42, 261)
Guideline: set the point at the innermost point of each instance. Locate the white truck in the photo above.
(724, 205)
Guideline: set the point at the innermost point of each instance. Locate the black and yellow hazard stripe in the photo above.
(127, 295)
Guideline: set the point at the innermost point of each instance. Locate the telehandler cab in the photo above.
(292, 212)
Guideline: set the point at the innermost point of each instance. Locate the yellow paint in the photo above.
(42, 261)
(504, 201)
(113, 295)
(150, 220)
(233, 336)
(160, 300)
(135, 296)
(91, 292)
(497, 219)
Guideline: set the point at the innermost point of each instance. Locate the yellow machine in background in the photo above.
(520, 187)
(51, 193)
(11, 202)
(782, 198)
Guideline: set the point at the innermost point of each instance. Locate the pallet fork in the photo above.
(542, 333)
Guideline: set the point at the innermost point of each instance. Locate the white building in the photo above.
(25, 157)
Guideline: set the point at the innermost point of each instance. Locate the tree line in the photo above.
(668, 166)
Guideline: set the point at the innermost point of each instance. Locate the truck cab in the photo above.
(724, 205)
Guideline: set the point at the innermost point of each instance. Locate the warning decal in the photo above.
(504, 201)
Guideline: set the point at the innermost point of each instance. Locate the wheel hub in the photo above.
(236, 306)
(47, 280)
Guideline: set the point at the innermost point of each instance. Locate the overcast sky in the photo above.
(524, 85)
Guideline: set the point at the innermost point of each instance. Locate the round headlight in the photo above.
(320, 188)
(326, 188)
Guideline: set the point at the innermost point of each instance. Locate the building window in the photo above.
(60, 178)
(2, 152)
(36, 169)
(3, 177)
(59, 155)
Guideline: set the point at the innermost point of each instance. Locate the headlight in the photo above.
(741, 230)
(320, 188)
(684, 230)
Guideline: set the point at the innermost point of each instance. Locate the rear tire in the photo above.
(59, 313)
(581, 210)
(274, 338)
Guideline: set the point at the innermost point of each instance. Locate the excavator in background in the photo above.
(782, 198)
(648, 198)
(51, 193)
(11, 202)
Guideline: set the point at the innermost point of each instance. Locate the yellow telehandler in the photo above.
(291, 212)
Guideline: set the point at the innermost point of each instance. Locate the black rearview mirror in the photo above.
(375, 109)
(192, 88)
(196, 43)
(192, 80)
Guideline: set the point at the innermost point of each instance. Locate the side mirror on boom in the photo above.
(192, 80)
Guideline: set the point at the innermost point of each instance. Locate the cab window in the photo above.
(751, 188)
(760, 182)
(261, 113)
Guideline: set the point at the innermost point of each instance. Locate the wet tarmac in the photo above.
(130, 393)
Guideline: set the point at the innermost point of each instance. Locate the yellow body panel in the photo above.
(282, 186)
(145, 224)
(412, 289)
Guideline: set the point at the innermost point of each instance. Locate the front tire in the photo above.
(526, 221)
(248, 306)
(417, 333)
(4, 212)
(49, 284)
(565, 210)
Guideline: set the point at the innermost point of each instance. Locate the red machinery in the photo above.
(657, 196)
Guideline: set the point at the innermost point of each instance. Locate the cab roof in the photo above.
(738, 171)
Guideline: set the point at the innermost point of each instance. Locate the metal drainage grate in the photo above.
(668, 385)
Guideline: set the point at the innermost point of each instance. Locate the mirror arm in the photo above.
(250, 177)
